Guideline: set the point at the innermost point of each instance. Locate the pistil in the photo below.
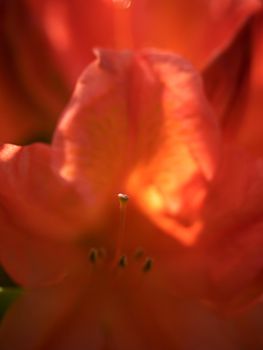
(123, 201)
(134, 261)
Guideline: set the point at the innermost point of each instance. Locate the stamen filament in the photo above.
(123, 200)
(122, 23)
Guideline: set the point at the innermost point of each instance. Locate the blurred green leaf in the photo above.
(7, 296)
(5, 279)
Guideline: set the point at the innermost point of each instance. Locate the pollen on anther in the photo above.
(123, 197)
(148, 264)
(93, 255)
(123, 261)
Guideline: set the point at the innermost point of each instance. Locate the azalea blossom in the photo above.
(59, 213)
(102, 147)
(139, 124)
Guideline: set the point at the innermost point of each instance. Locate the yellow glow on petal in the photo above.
(174, 214)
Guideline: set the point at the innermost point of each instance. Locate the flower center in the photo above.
(97, 256)
(119, 260)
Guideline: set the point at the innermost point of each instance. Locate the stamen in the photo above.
(148, 265)
(123, 4)
(123, 261)
(123, 200)
(122, 20)
(93, 255)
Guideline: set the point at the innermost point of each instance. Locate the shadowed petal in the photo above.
(38, 315)
(32, 93)
(185, 26)
(226, 263)
(75, 315)
(182, 26)
(39, 214)
(233, 239)
(251, 126)
(35, 261)
(34, 198)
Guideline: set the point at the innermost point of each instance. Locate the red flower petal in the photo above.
(251, 125)
(35, 261)
(75, 315)
(32, 93)
(186, 26)
(38, 212)
(34, 198)
(90, 145)
(139, 123)
(225, 265)
(233, 236)
(177, 142)
(183, 26)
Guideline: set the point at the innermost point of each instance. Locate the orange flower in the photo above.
(137, 123)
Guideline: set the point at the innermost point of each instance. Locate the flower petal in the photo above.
(39, 314)
(234, 222)
(32, 94)
(226, 88)
(72, 30)
(34, 198)
(33, 261)
(185, 26)
(251, 126)
(91, 141)
(182, 26)
(177, 142)
(75, 315)
(39, 213)
(139, 122)
(225, 265)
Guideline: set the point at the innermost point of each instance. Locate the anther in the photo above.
(123, 261)
(148, 264)
(123, 198)
(93, 255)
(122, 4)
